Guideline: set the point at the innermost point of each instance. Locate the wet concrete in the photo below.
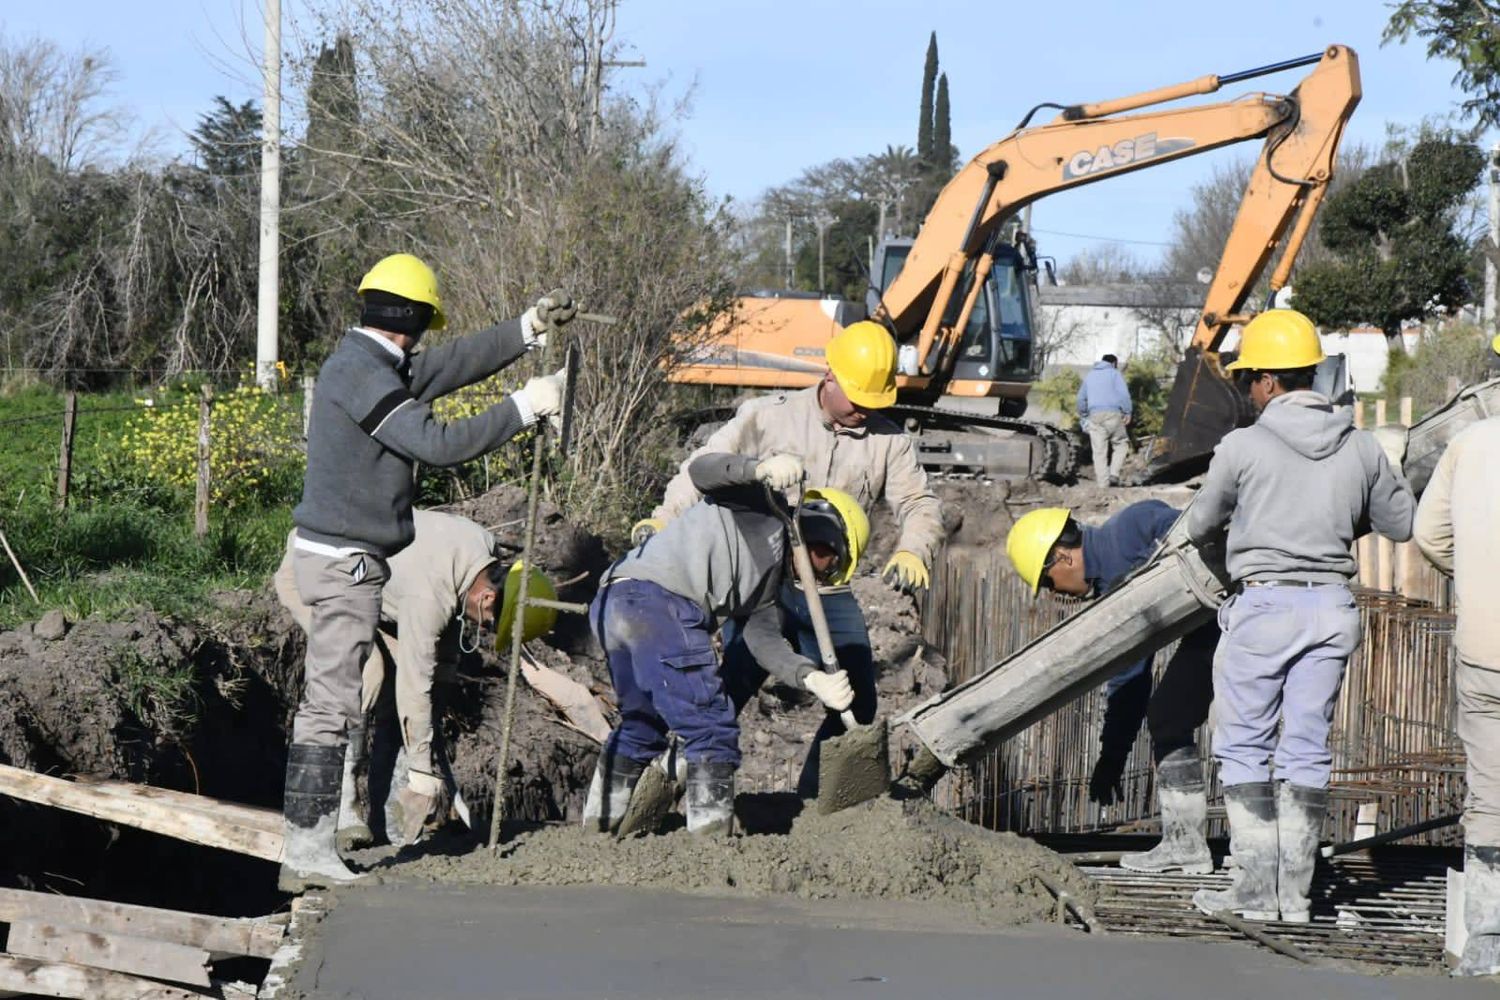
(447, 943)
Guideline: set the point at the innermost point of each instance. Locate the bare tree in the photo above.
(1105, 264)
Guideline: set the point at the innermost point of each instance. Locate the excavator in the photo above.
(959, 299)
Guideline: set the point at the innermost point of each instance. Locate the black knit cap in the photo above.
(395, 313)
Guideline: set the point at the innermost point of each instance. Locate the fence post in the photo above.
(1385, 549)
(200, 505)
(308, 385)
(65, 457)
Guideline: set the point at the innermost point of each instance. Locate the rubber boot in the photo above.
(1481, 956)
(354, 803)
(309, 856)
(710, 798)
(1184, 811)
(1299, 825)
(615, 777)
(1253, 838)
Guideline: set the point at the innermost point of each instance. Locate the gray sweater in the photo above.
(725, 552)
(1296, 489)
(371, 419)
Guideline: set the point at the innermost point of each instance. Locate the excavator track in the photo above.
(1056, 460)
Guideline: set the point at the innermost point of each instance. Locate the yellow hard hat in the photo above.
(404, 275)
(1495, 344)
(538, 621)
(862, 357)
(853, 527)
(1031, 539)
(1278, 340)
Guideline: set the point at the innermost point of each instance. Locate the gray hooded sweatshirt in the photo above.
(1296, 489)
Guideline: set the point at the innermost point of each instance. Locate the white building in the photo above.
(1079, 324)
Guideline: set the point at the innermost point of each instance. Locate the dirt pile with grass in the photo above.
(880, 850)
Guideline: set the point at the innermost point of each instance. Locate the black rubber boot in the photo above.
(615, 777)
(710, 797)
(1184, 810)
(309, 855)
(1481, 955)
(1299, 825)
(354, 803)
(1253, 839)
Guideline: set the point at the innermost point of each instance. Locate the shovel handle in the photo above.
(802, 563)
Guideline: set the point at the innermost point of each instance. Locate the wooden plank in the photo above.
(60, 979)
(138, 956)
(254, 817)
(219, 936)
(142, 812)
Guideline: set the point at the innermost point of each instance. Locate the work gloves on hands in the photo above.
(833, 690)
(542, 396)
(644, 529)
(906, 571)
(552, 310)
(780, 472)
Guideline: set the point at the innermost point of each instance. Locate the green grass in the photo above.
(120, 545)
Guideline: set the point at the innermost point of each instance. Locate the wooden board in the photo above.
(139, 956)
(219, 936)
(61, 979)
(252, 817)
(146, 812)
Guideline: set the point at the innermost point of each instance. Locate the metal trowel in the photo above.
(855, 767)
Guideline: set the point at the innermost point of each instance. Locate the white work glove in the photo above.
(541, 396)
(552, 310)
(780, 472)
(833, 690)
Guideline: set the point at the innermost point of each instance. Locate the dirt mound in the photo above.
(96, 698)
(880, 850)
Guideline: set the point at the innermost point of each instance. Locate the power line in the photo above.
(1102, 239)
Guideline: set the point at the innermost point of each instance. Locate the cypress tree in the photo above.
(942, 129)
(929, 80)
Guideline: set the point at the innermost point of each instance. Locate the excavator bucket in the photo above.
(1205, 404)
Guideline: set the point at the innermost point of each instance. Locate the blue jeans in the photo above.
(1282, 657)
(665, 673)
(743, 677)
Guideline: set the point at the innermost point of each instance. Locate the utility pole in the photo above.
(267, 350)
(790, 275)
(822, 221)
(1494, 241)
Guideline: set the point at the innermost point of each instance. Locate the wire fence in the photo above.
(1393, 740)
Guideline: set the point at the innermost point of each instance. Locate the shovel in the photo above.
(855, 767)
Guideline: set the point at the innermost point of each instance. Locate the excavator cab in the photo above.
(995, 344)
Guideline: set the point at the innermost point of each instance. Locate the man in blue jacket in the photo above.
(1104, 413)
(1049, 548)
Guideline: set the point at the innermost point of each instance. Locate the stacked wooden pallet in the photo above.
(66, 946)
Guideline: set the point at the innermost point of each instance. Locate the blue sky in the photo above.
(777, 86)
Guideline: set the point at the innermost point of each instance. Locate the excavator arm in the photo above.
(1092, 142)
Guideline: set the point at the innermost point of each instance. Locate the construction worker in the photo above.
(721, 560)
(1293, 490)
(371, 420)
(1049, 548)
(444, 589)
(1104, 411)
(845, 444)
(1456, 531)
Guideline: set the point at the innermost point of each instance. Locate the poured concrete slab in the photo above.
(414, 940)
